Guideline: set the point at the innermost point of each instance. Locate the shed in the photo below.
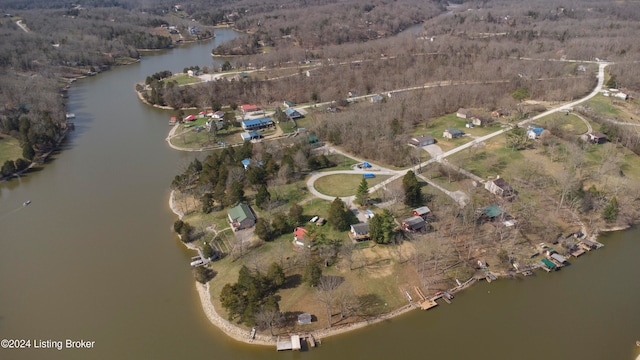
(414, 223)
(304, 318)
(423, 212)
(249, 135)
(463, 113)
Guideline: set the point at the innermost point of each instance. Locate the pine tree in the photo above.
(382, 227)
(338, 215)
(362, 194)
(412, 190)
(610, 212)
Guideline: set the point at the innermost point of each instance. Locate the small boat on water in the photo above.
(26, 203)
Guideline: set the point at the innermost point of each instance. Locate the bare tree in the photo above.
(268, 318)
(326, 294)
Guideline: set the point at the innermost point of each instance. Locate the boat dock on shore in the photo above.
(296, 342)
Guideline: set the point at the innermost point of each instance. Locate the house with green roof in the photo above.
(241, 217)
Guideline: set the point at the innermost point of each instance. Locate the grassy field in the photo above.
(183, 79)
(344, 184)
(9, 149)
(571, 123)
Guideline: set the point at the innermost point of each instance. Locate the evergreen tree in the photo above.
(262, 197)
(8, 168)
(412, 190)
(338, 215)
(362, 194)
(382, 227)
(295, 214)
(275, 275)
(610, 212)
(28, 152)
(280, 225)
(263, 230)
(312, 274)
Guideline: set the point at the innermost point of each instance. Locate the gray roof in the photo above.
(360, 228)
(422, 210)
(415, 222)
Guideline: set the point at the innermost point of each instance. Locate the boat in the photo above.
(26, 203)
(70, 116)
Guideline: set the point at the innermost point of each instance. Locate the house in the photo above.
(359, 231)
(452, 133)
(241, 217)
(301, 238)
(491, 213)
(288, 104)
(422, 140)
(414, 224)
(463, 113)
(597, 138)
(247, 108)
(257, 124)
(499, 186)
(246, 136)
(292, 113)
(423, 212)
(216, 115)
(534, 132)
(190, 118)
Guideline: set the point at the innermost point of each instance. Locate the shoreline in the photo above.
(242, 335)
(239, 334)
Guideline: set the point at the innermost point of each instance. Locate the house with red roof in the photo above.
(301, 238)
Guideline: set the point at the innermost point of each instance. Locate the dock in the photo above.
(312, 341)
(295, 343)
(283, 344)
(425, 302)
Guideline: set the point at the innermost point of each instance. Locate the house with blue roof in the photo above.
(257, 124)
(293, 113)
(534, 132)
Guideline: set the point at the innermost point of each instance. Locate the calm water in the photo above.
(93, 258)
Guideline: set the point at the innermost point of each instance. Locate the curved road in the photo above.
(401, 173)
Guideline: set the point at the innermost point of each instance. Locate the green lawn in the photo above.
(344, 184)
(183, 79)
(571, 124)
(9, 149)
(602, 104)
(342, 162)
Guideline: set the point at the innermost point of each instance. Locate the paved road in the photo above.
(401, 173)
